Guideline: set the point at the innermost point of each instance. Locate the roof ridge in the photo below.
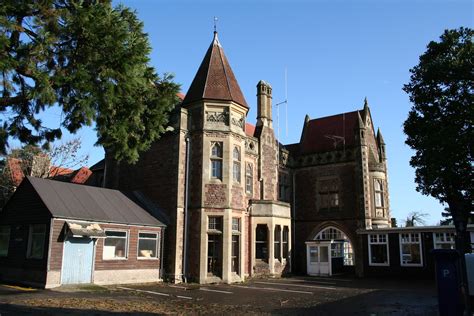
(334, 115)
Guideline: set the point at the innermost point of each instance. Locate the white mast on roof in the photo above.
(286, 109)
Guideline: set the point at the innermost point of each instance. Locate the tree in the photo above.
(91, 60)
(33, 161)
(415, 218)
(439, 127)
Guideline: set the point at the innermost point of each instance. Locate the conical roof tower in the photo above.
(215, 79)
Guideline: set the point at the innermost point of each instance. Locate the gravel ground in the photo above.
(291, 296)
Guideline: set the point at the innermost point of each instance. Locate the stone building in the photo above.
(236, 198)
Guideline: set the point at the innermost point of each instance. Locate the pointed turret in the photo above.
(365, 111)
(379, 137)
(214, 79)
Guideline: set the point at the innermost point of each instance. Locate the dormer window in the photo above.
(216, 160)
(236, 165)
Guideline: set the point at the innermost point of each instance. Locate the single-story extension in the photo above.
(54, 233)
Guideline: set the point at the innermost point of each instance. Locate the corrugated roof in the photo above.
(215, 79)
(82, 202)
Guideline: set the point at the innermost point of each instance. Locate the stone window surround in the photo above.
(236, 166)
(249, 178)
(217, 160)
(334, 180)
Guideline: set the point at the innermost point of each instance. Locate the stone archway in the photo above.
(329, 251)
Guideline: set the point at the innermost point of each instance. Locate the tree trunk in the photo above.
(460, 216)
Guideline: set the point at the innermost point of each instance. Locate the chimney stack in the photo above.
(264, 104)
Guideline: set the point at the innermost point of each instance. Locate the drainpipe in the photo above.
(162, 233)
(186, 202)
(293, 211)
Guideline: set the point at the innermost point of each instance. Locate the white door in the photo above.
(318, 259)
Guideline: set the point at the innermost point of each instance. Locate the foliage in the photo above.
(91, 60)
(33, 161)
(440, 123)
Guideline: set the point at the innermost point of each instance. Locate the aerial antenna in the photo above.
(286, 110)
(215, 24)
(340, 139)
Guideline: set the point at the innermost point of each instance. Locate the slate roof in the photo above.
(82, 202)
(215, 79)
(315, 134)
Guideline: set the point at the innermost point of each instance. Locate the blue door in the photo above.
(78, 257)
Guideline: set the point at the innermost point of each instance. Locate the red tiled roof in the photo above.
(318, 132)
(59, 171)
(249, 129)
(180, 96)
(81, 175)
(16, 172)
(215, 79)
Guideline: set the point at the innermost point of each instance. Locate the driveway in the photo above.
(295, 296)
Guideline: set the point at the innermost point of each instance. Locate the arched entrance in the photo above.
(328, 252)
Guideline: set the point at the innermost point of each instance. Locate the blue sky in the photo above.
(335, 52)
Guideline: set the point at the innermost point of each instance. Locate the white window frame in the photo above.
(127, 243)
(410, 242)
(378, 242)
(219, 159)
(380, 193)
(158, 240)
(30, 240)
(8, 234)
(444, 242)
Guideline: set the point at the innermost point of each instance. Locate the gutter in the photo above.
(186, 202)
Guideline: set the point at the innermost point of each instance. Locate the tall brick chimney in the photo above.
(264, 104)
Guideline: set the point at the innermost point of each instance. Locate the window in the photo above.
(214, 246)
(235, 256)
(216, 160)
(330, 234)
(348, 254)
(215, 223)
(410, 249)
(277, 242)
(261, 239)
(4, 240)
(115, 245)
(285, 242)
(36, 239)
(235, 225)
(329, 194)
(249, 178)
(378, 190)
(378, 250)
(283, 187)
(337, 250)
(444, 241)
(148, 245)
(236, 165)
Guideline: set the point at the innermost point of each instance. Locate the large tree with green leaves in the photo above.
(439, 128)
(440, 124)
(88, 58)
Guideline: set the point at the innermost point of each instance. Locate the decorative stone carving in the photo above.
(217, 117)
(238, 121)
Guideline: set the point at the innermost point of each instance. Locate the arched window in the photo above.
(341, 246)
(236, 166)
(249, 178)
(216, 160)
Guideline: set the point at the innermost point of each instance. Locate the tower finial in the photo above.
(215, 24)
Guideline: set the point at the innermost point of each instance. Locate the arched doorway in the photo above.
(329, 252)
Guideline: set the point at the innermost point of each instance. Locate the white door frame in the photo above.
(310, 267)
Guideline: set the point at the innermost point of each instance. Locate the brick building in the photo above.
(236, 197)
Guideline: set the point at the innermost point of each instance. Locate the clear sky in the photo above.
(335, 52)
